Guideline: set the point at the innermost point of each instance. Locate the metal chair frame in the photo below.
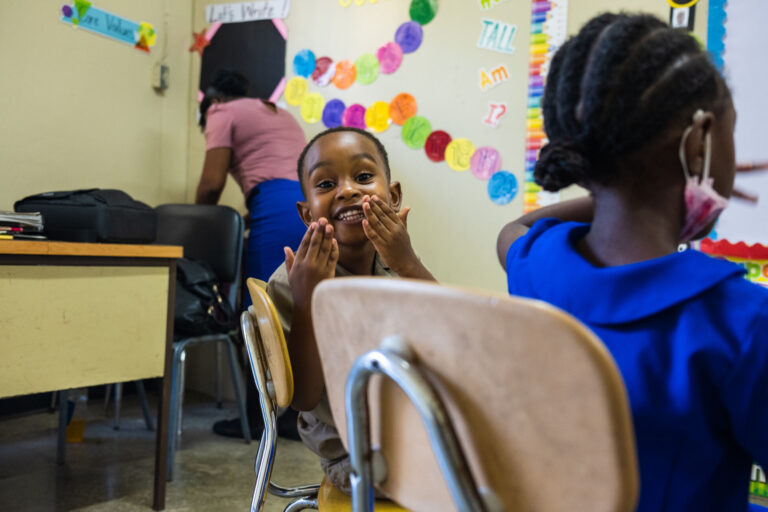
(177, 390)
(394, 362)
(179, 359)
(265, 458)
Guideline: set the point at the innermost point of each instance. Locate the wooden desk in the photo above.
(75, 315)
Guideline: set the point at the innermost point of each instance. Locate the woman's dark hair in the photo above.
(225, 85)
(613, 88)
(377, 142)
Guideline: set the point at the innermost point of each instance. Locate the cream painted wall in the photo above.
(79, 111)
(453, 224)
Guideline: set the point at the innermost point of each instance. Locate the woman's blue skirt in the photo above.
(275, 223)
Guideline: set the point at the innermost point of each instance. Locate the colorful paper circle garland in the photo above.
(312, 107)
(436, 144)
(377, 116)
(460, 154)
(415, 132)
(366, 69)
(502, 187)
(354, 116)
(333, 113)
(295, 90)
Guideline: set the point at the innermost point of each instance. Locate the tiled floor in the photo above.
(113, 470)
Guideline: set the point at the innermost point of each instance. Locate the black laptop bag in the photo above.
(93, 215)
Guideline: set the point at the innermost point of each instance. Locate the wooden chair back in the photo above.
(275, 349)
(536, 400)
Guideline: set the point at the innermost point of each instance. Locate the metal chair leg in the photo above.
(142, 392)
(301, 504)
(219, 401)
(107, 394)
(237, 381)
(180, 394)
(172, 416)
(118, 402)
(61, 448)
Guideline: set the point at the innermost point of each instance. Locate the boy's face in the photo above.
(339, 169)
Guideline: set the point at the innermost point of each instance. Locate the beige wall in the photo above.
(78, 109)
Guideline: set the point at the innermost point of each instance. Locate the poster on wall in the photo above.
(247, 11)
(82, 14)
(254, 48)
(548, 33)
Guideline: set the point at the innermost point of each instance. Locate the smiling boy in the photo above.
(355, 227)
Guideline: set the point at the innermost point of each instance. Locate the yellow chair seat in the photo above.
(330, 499)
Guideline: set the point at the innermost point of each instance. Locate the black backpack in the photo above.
(92, 215)
(199, 306)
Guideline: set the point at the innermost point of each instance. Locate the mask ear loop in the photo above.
(708, 149)
(681, 152)
(707, 155)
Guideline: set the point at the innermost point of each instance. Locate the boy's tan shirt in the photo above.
(316, 427)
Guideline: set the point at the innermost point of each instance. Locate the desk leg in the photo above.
(163, 409)
(61, 448)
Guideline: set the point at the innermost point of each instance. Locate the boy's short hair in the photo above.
(379, 148)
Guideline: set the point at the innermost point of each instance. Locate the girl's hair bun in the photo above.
(561, 164)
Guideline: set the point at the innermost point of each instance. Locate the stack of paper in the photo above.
(16, 225)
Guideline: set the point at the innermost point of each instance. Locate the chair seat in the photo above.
(330, 499)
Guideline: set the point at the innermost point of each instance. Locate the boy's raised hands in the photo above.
(387, 230)
(314, 261)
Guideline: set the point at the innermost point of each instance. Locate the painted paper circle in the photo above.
(304, 63)
(333, 113)
(324, 71)
(436, 144)
(459, 153)
(377, 116)
(354, 116)
(390, 57)
(409, 36)
(415, 132)
(66, 11)
(423, 11)
(295, 90)
(345, 74)
(502, 187)
(485, 162)
(367, 66)
(402, 108)
(312, 107)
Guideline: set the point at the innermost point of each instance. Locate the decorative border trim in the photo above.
(716, 31)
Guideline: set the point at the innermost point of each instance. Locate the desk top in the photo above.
(52, 248)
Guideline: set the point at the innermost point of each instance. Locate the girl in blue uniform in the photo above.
(636, 113)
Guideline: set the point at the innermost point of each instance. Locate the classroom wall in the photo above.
(453, 224)
(78, 109)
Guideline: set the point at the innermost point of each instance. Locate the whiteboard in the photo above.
(746, 69)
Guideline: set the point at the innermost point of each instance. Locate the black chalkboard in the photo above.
(254, 48)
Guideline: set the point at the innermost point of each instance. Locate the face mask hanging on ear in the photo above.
(702, 203)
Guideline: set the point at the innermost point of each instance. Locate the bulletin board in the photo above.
(743, 44)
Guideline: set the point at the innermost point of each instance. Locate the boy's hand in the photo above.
(388, 232)
(314, 261)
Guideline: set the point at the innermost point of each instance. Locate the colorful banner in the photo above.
(754, 258)
(757, 483)
(548, 32)
(82, 14)
(247, 11)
